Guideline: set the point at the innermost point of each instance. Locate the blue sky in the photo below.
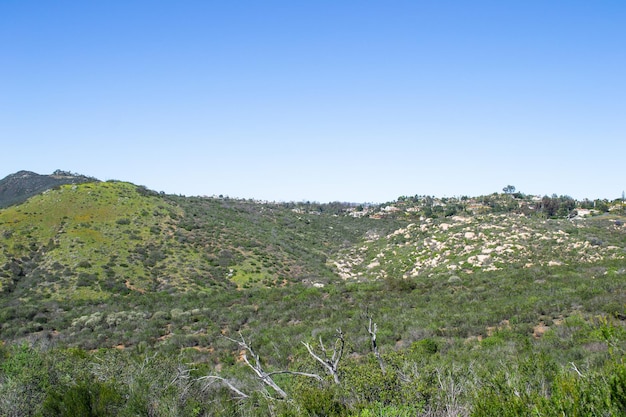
(358, 101)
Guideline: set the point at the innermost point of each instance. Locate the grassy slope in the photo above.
(81, 241)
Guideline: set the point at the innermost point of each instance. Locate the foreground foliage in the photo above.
(512, 375)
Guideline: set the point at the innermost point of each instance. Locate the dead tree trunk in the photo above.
(226, 382)
(265, 377)
(257, 367)
(329, 363)
(372, 329)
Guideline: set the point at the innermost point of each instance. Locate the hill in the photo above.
(460, 295)
(17, 188)
(98, 239)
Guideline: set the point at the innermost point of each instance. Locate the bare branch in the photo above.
(338, 349)
(372, 329)
(182, 374)
(330, 364)
(223, 380)
(576, 369)
(316, 376)
(257, 367)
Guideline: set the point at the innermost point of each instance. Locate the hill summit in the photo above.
(17, 188)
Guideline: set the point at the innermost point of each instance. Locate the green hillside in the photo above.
(493, 305)
(94, 240)
(88, 241)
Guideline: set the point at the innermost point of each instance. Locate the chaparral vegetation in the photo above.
(119, 301)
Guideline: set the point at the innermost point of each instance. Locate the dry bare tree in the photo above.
(372, 329)
(257, 367)
(330, 363)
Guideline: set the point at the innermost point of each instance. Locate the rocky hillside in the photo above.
(489, 242)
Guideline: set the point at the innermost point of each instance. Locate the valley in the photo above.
(487, 305)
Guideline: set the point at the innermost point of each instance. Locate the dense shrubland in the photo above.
(575, 369)
(119, 301)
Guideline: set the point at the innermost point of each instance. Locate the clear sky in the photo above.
(359, 101)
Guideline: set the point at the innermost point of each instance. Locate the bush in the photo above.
(380, 410)
(369, 385)
(572, 393)
(23, 380)
(617, 385)
(319, 401)
(85, 399)
(424, 347)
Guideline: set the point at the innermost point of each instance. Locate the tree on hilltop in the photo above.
(509, 189)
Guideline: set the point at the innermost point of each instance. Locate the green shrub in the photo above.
(23, 380)
(316, 400)
(381, 410)
(85, 399)
(617, 386)
(572, 393)
(368, 384)
(424, 347)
